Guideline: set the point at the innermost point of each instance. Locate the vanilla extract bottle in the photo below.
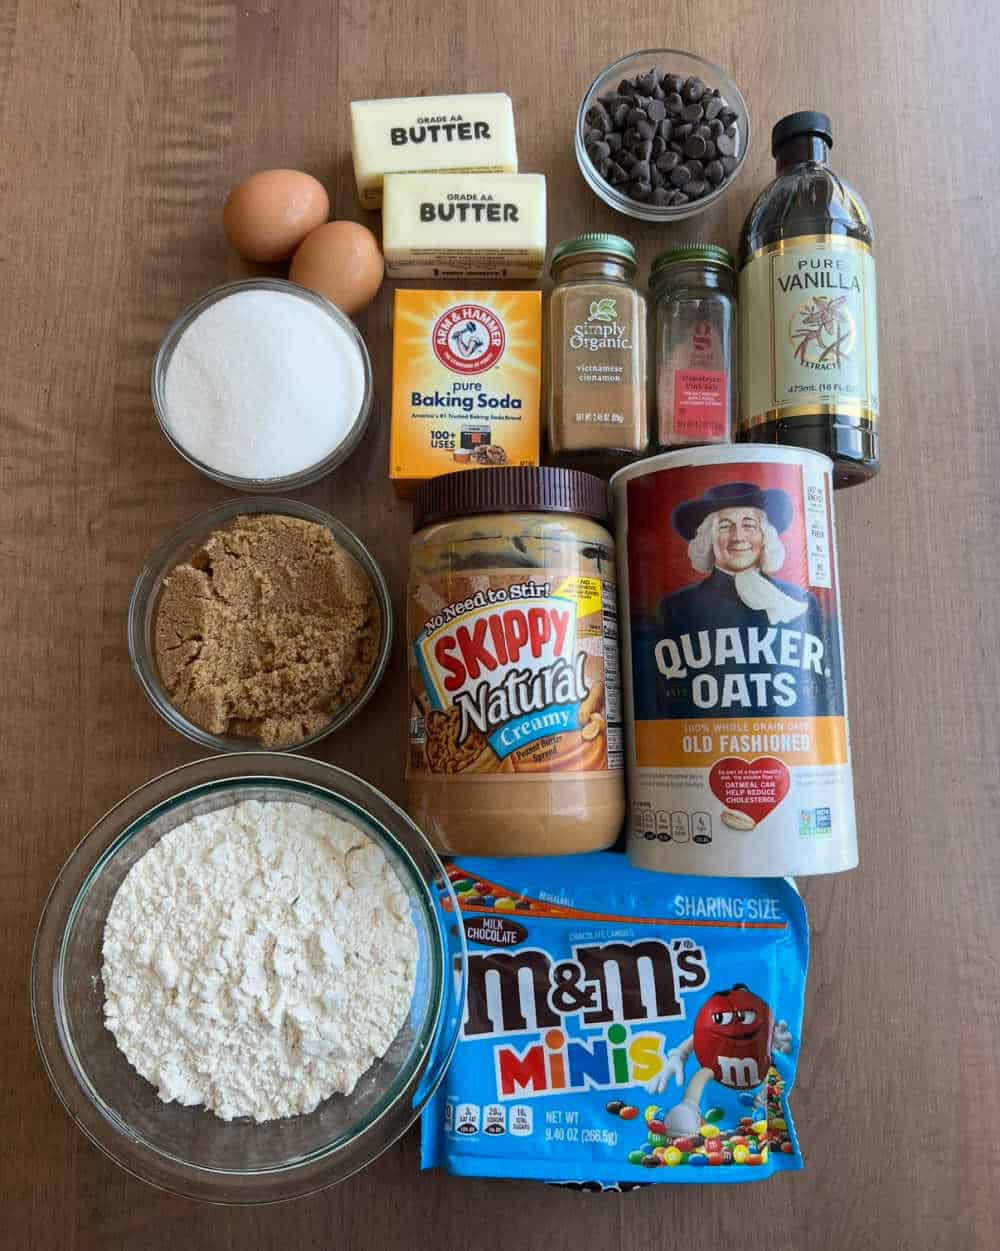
(807, 331)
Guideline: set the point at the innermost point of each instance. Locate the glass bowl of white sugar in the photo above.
(263, 385)
(247, 980)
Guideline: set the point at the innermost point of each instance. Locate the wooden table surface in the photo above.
(123, 124)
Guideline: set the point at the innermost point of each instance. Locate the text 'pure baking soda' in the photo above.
(739, 759)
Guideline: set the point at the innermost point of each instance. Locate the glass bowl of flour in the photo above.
(263, 385)
(245, 982)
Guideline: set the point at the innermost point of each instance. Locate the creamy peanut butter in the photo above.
(515, 738)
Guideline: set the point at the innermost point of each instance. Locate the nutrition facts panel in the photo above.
(814, 504)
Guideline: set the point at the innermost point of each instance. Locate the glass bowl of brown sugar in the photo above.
(261, 623)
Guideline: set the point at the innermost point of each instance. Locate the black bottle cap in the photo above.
(805, 123)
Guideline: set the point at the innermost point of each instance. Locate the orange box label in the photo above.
(466, 381)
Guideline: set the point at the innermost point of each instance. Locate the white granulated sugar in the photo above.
(258, 959)
(263, 384)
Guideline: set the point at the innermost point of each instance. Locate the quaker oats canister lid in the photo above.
(511, 489)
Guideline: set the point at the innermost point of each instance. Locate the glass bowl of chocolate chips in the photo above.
(662, 134)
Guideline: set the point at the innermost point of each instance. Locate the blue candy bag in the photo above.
(622, 1025)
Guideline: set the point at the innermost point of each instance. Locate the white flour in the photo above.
(263, 384)
(258, 959)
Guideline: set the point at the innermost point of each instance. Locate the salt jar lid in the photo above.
(707, 253)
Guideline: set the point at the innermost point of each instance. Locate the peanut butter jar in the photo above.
(515, 720)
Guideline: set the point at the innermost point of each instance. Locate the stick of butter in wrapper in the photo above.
(622, 1026)
(463, 225)
(424, 134)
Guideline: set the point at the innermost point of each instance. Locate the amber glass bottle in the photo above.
(807, 330)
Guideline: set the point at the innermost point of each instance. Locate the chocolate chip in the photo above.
(695, 166)
(713, 106)
(710, 149)
(660, 197)
(616, 174)
(673, 82)
(693, 90)
(725, 145)
(656, 178)
(598, 116)
(680, 175)
(692, 113)
(730, 163)
(694, 145)
(666, 128)
(626, 87)
(675, 145)
(678, 197)
(714, 172)
(640, 172)
(626, 160)
(716, 127)
(644, 150)
(674, 103)
(658, 93)
(631, 136)
(635, 116)
(647, 129)
(656, 110)
(646, 84)
(682, 131)
(659, 146)
(703, 130)
(696, 188)
(614, 140)
(621, 112)
(727, 116)
(667, 162)
(599, 150)
(603, 166)
(640, 190)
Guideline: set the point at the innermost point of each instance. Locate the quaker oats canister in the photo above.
(737, 750)
(515, 727)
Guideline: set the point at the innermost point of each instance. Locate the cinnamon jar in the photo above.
(597, 396)
(515, 720)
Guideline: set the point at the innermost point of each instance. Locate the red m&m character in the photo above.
(733, 1040)
(732, 1037)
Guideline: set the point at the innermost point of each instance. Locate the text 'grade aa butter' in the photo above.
(422, 134)
(464, 225)
(466, 377)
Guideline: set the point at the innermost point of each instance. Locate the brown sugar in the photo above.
(267, 631)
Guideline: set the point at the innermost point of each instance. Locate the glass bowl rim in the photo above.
(158, 564)
(635, 209)
(67, 897)
(172, 336)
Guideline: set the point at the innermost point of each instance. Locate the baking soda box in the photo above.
(466, 382)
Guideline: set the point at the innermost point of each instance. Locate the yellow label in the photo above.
(466, 377)
(808, 335)
(585, 591)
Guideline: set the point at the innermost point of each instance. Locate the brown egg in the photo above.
(268, 215)
(343, 261)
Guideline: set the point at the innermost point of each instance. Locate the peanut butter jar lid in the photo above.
(511, 489)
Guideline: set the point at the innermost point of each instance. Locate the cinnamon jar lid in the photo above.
(511, 489)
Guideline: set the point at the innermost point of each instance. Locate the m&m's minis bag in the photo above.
(622, 1025)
